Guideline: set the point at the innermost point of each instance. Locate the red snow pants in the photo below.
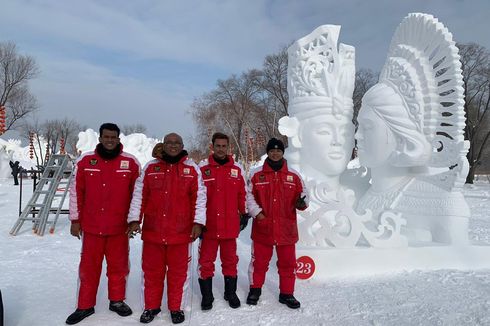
(208, 250)
(286, 265)
(115, 248)
(165, 260)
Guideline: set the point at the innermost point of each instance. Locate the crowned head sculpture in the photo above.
(412, 122)
(320, 85)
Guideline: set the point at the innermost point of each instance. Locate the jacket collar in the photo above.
(212, 161)
(181, 157)
(267, 168)
(108, 155)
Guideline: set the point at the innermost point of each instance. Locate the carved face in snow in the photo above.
(327, 143)
(375, 141)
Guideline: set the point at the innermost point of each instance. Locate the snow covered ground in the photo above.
(38, 279)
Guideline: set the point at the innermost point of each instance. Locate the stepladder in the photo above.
(46, 203)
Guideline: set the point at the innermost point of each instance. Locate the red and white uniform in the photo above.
(226, 193)
(274, 193)
(169, 199)
(100, 195)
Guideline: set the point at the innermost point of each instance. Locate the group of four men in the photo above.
(172, 202)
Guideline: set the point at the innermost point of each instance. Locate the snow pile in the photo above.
(138, 145)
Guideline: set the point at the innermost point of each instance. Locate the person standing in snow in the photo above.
(225, 217)
(100, 195)
(170, 200)
(16, 168)
(275, 192)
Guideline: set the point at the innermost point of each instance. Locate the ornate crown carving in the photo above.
(320, 75)
(423, 67)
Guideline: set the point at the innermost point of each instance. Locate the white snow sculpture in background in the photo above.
(5, 158)
(319, 125)
(411, 123)
(136, 144)
(321, 137)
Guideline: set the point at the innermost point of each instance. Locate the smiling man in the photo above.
(225, 217)
(100, 196)
(275, 192)
(170, 200)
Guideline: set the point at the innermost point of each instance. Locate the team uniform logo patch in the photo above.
(187, 171)
(289, 178)
(234, 173)
(156, 168)
(261, 177)
(93, 161)
(124, 165)
(207, 172)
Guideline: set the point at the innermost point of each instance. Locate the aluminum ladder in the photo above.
(42, 202)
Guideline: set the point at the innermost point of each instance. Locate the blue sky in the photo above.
(145, 61)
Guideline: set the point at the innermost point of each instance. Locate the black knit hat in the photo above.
(275, 143)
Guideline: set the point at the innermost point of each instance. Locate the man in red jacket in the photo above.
(100, 195)
(225, 207)
(170, 198)
(275, 192)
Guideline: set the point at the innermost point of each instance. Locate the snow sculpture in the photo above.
(319, 125)
(411, 135)
(136, 144)
(5, 158)
(321, 137)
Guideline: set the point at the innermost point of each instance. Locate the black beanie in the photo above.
(275, 143)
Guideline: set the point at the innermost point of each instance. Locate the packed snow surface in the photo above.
(38, 280)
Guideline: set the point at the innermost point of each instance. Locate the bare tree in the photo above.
(134, 129)
(51, 132)
(272, 79)
(15, 72)
(365, 79)
(475, 60)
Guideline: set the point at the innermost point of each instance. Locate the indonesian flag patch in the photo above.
(124, 165)
(234, 173)
(187, 171)
(289, 178)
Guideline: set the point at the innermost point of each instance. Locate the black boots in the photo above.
(121, 308)
(79, 315)
(254, 295)
(148, 315)
(289, 300)
(206, 286)
(177, 316)
(230, 292)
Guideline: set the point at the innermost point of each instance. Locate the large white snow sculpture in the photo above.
(411, 135)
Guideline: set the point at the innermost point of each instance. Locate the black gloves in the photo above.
(244, 220)
(300, 202)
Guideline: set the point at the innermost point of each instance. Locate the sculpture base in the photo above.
(372, 261)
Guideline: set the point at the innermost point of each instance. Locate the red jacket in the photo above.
(225, 192)
(275, 194)
(100, 192)
(169, 198)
